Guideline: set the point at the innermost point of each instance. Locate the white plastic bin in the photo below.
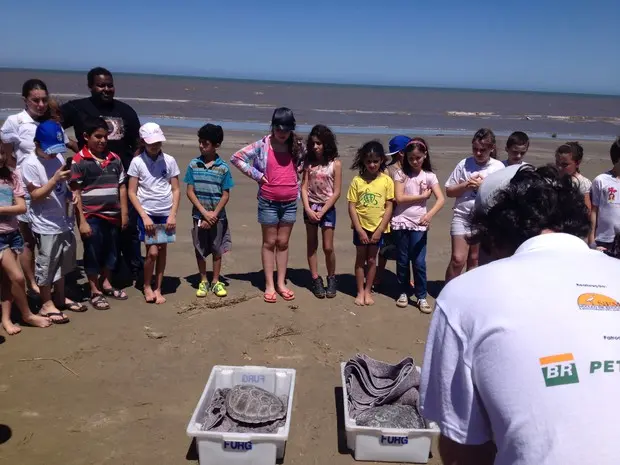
(217, 448)
(389, 444)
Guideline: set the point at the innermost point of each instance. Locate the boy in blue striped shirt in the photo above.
(209, 182)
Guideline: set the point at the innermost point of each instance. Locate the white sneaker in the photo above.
(402, 301)
(424, 306)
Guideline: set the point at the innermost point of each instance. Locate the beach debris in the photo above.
(245, 408)
(153, 334)
(45, 359)
(281, 331)
(215, 304)
(293, 307)
(245, 355)
(391, 416)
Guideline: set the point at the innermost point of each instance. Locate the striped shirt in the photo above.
(99, 182)
(209, 183)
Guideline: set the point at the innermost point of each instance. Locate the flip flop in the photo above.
(114, 293)
(270, 298)
(99, 302)
(63, 318)
(75, 307)
(287, 295)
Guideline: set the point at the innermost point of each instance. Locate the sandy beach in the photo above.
(125, 397)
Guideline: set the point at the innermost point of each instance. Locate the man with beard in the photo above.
(522, 357)
(123, 139)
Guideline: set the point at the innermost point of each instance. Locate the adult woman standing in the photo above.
(273, 163)
(17, 134)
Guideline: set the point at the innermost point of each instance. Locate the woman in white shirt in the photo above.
(17, 134)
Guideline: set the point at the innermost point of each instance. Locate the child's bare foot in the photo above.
(368, 300)
(10, 328)
(359, 300)
(159, 299)
(149, 295)
(37, 321)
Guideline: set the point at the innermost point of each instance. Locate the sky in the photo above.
(547, 45)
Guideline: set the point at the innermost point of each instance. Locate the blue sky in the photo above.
(551, 45)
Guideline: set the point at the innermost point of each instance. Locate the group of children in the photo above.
(387, 206)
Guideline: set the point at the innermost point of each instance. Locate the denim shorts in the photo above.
(271, 212)
(328, 220)
(13, 241)
(154, 219)
(101, 248)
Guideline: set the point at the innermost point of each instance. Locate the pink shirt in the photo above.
(407, 215)
(320, 183)
(8, 193)
(281, 177)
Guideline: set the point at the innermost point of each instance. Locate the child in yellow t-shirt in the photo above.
(370, 199)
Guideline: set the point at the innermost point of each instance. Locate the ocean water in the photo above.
(248, 105)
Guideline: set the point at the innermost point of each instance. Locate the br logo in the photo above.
(598, 302)
(559, 369)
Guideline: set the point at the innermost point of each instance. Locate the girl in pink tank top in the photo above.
(320, 190)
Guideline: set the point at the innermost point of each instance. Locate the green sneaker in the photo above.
(218, 289)
(203, 289)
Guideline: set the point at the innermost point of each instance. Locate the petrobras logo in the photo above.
(559, 369)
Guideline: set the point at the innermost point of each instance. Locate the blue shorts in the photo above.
(154, 219)
(271, 212)
(327, 221)
(358, 243)
(101, 248)
(13, 241)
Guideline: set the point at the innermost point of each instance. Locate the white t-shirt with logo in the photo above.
(606, 196)
(19, 130)
(464, 171)
(532, 364)
(154, 189)
(49, 215)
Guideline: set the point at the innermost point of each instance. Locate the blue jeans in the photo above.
(411, 248)
(101, 248)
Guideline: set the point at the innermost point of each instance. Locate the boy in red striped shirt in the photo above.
(97, 177)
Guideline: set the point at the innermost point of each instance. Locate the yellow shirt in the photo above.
(370, 199)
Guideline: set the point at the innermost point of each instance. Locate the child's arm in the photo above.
(18, 209)
(401, 197)
(244, 158)
(40, 193)
(122, 192)
(132, 193)
(587, 200)
(439, 203)
(356, 224)
(337, 188)
(84, 227)
(304, 197)
(593, 223)
(387, 216)
(171, 224)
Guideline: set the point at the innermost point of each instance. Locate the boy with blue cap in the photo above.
(45, 175)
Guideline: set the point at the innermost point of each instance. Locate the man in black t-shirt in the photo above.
(123, 139)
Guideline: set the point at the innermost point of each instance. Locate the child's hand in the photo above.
(426, 220)
(426, 193)
(149, 227)
(474, 183)
(171, 224)
(363, 237)
(210, 218)
(262, 181)
(85, 230)
(124, 221)
(62, 174)
(312, 216)
(376, 237)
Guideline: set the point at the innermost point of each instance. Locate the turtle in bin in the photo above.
(391, 416)
(245, 404)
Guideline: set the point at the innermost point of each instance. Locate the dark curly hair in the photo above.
(373, 147)
(536, 199)
(486, 136)
(422, 146)
(328, 139)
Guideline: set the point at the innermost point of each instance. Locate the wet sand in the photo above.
(132, 395)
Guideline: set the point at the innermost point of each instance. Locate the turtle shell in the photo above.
(251, 404)
(391, 416)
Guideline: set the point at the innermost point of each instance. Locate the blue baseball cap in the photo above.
(51, 137)
(398, 143)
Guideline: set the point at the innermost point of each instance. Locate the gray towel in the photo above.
(371, 383)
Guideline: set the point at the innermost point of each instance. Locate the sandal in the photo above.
(270, 298)
(99, 302)
(75, 307)
(60, 319)
(287, 295)
(117, 294)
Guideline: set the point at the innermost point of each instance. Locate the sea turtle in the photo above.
(251, 404)
(391, 416)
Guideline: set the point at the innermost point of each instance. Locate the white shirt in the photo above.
(464, 171)
(525, 351)
(47, 216)
(19, 130)
(583, 183)
(606, 196)
(154, 189)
